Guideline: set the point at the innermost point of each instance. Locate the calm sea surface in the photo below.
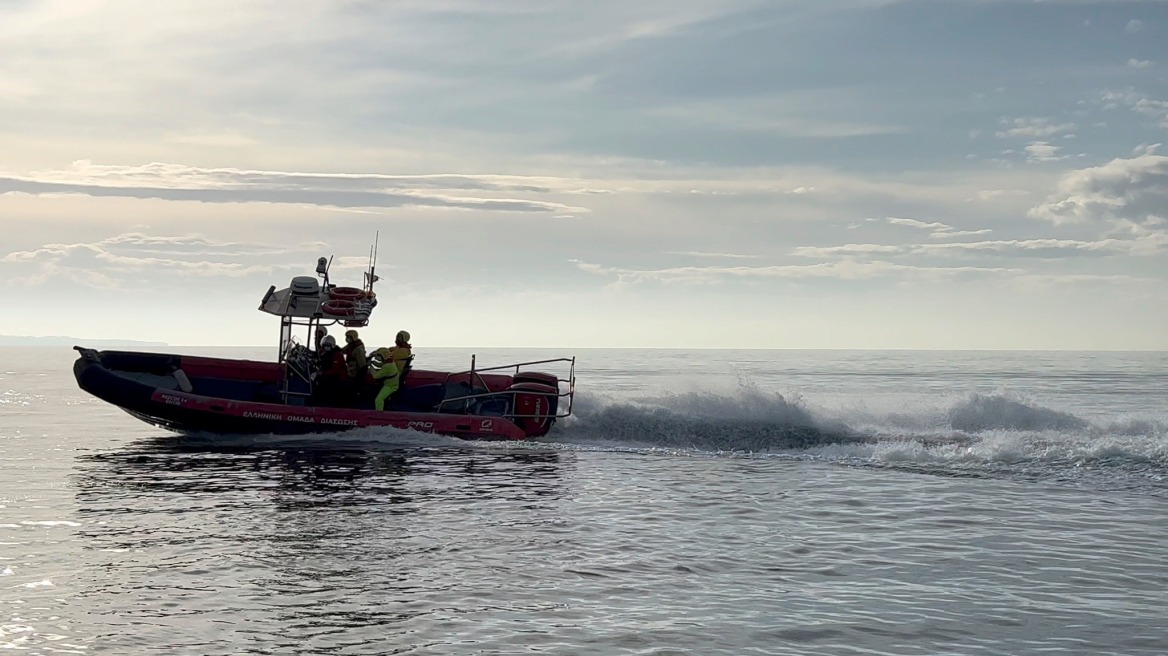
(699, 502)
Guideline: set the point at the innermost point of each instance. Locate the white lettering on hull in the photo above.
(274, 416)
(339, 422)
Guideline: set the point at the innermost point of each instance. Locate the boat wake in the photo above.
(752, 421)
(980, 413)
(974, 435)
(998, 435)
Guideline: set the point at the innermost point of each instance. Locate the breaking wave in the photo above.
(989, 412)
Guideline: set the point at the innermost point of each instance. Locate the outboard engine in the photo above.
(543, 379)
(534, 407)
(535, 377)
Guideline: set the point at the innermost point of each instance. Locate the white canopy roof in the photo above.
(305, 299)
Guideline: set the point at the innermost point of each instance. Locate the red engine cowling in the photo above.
(534, 407)
(535, 377)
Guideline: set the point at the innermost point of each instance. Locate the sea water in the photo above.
(697, 502)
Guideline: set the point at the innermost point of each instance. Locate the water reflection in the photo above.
(309, 476)
(155, 491)
(303, 547)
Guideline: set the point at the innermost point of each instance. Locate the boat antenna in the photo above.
(370, 276)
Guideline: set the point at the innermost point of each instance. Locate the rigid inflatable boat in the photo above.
(217, 395)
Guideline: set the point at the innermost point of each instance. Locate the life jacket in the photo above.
(401, 356)
(395, 361)
(355, 359)
(332, 364)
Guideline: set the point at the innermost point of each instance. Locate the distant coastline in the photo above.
(57, 340)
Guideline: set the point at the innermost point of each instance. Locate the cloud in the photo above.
(1138, 103)
(454, 81)
(1039, 282)
(1033, 127)
(1127, 193)
(335, 190)
(961, 233)
(913, 223)
(134, 259)
(732, 256)
(1139, 63)
(1040, 151)
(847, 250)
(197, 246)
(1134, 25)
(72, 262)
(937, 230)
(1157, 109)
(1045, 248)
(841, 270)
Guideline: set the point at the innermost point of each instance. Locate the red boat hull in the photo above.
(248, 397)
(245, 417)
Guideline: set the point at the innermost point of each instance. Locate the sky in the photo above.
(854, 174)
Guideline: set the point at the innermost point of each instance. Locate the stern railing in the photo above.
(476, 372)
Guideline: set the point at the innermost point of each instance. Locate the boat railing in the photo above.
(475, 373)
(559, 414)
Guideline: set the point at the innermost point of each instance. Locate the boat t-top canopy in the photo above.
(307, 302)
(321, 301)
(307, 299)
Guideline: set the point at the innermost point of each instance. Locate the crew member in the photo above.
(333, 377)
(394, 363)
(354, 352)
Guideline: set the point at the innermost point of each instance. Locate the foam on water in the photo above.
(998, 433)
(980, 413)
(754, 420)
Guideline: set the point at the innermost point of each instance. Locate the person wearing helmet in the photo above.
(402, 353)
(390, 367)
(354, 352)
(357, 365)
(332, 377)
(330, 359)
